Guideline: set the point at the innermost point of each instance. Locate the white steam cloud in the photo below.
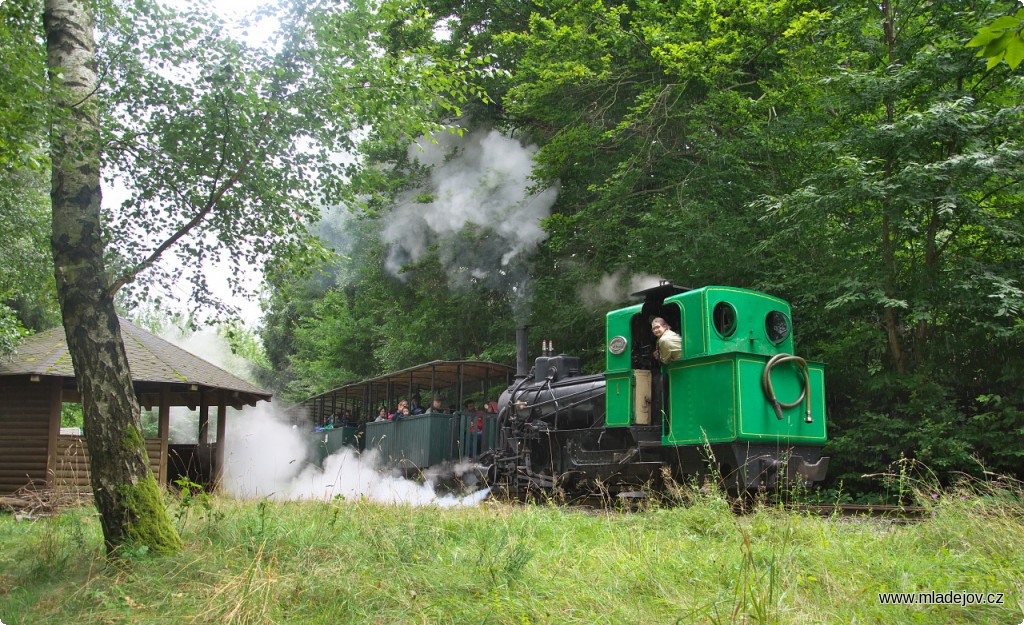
(266, 458)
(481, 209)
(615, 288)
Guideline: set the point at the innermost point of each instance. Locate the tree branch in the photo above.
(211, 203)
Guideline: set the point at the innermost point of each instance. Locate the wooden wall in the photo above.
(72, 472)
(31, 449)
(25, 415)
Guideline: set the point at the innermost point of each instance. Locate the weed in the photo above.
(192, 496)
(502, 558)
(60, 540)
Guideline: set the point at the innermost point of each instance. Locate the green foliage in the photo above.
(191, 498)
(11, 330)
(244, 343)
(1002, 40)
(902, 239)
(856, 160)
(208, 154)
(71, 415)
(23, 92)
(645, 118)
(28, 299)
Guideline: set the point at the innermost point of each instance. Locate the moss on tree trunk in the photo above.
(143, 527)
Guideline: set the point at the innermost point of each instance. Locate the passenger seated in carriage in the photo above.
(436, 406)
(414, 407)
(477, 424)
(402, 410)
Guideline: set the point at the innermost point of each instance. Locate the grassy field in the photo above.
(360, 562)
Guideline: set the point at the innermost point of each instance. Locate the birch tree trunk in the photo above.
(127, 496)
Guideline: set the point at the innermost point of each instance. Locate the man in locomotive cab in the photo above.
(670, 344)
(668, 348)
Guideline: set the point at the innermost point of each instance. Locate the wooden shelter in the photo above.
(37, 380)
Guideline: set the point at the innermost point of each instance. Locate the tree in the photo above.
(226, 151)
(125, 491)
(22, 85)
(27, 297)
(904, 235)
(646, 116)
(855, 160)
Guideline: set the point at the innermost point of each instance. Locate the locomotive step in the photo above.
(647, 435)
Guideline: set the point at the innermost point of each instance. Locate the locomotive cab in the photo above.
(737, 390)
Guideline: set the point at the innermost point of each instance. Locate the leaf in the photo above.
(1007, 21)
(1014, 53)
(998, 45)
(983, 37)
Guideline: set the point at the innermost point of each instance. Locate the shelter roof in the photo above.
(150, 358)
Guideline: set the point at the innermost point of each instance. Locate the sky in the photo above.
(232, 11)
(228, 9)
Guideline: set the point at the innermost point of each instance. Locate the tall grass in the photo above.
(359, 562)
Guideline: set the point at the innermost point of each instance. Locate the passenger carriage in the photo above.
(416, 442)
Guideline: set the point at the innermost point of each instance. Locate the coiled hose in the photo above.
(805, 385)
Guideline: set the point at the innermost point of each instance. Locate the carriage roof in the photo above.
(464, 376)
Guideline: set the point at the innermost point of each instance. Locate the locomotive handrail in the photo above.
(589, 392)
(805, 385)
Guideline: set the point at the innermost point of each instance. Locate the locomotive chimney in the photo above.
(522, 355)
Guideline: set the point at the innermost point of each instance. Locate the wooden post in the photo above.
(204, 419)
(164, 432)
(462, 390)
(52, 449)
(218, 456)
(203, 446)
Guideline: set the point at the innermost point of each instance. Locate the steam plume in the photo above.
(481, 209)
(264, 457)
(614, 288)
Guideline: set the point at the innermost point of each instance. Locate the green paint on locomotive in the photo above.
(715, 391)
(620, 384)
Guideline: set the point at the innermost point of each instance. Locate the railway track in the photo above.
(638, 501)
(890, 512)
(894, 513)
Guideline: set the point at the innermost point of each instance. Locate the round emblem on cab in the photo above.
(617, 345)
